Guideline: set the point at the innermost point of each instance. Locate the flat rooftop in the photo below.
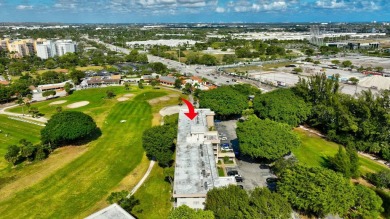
(195, 170)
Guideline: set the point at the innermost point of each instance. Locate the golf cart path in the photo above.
(21, 116)
(139, 184)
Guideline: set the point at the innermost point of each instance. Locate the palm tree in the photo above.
(20, 101)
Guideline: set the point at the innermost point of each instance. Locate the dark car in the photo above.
(271, 180)
(241, 186)
(232, 173)
(264, 166)
(239, 179)
(225, 145)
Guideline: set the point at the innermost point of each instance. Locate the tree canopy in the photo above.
(67, 127)
(228, 202)
(224, 101)
(282, 105)
(234, 202)
(158, 143)
(265, 138)
(185, 212)
(317, 190)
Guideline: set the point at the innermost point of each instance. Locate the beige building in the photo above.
(20, 48)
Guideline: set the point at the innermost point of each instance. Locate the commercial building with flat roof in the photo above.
(196, 157)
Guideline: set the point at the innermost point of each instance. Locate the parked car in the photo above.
(264, 166)
(223, 138)
(239, 179)
(225, 145)
(271, 180)
(232, 173)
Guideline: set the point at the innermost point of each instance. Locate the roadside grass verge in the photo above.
(315, 151)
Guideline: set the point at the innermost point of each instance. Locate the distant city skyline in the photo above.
(155, 11)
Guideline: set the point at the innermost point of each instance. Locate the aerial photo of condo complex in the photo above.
(195, 109)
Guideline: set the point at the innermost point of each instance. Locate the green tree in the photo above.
(335, 62)
(158, 143)
(317, 190)
(140, 84)
(50, 64)
(12, 154)
(224, 101)
(68, 86)
(27, 149)
(268, 205)
(367, 203)
(68, 127)
(346, 63)
(185, 212)
(354, 80)
(265, 138)
(229, 58)
(208, 60)
(380, 179)
(76, 76)
(34, 111)
(341, 163)
(110, 94)
(127, 86)
(169, 174)
(127, 203)
(177, 83)
(309, 52)
(282, 105)
(228, 202)
(283, 164)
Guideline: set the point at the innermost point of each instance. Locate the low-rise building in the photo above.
(167, 80)
(113, 211)
(196, 158)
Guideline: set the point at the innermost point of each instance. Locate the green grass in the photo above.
(12, 131)
(154, 196)
(96, 96)
(315, 150)
(71, 191)
(220, 171)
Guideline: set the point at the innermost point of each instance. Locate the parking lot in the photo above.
(253, 173)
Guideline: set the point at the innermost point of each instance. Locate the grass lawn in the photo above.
(12, 131)
(220, 171)
(154, 196)
(79, 185)
(315, 150)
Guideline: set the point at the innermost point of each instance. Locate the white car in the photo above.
(223, 138)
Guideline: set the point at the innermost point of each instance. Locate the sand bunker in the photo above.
(57, 102)
(128, 95)
(78, 104)
(120, 99)
(160, 99)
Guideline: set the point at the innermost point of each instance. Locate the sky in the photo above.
(183, 11)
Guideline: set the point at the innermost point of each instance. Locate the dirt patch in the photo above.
(129, 95)
(36, 172)
(164, 98)
(57, 102)
(78, 104)
(174, 95)
(121, 99)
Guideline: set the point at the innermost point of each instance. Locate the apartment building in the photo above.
(65, 46)
(20, 48)
(196, 158)
(46, 49)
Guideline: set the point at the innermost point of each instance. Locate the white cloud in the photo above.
(220, 10)
(24, 7)
(333, 4)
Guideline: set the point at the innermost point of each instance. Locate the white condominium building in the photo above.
(196, 157)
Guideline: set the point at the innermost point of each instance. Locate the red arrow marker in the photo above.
(191, 114)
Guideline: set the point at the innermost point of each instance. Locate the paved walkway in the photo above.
(21, 116)
(139, 184)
